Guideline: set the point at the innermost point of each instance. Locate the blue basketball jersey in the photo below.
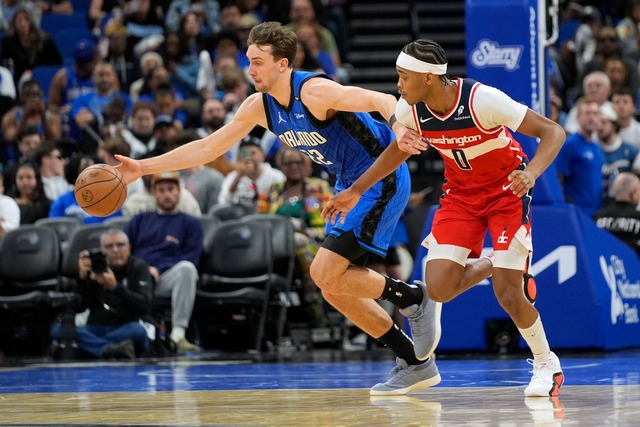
(347, 145)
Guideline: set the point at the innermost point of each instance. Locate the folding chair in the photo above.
(236, 280)
(63, 226)
(284, 257)
(29, 283)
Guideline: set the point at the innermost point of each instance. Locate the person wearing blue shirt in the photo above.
(171, 242)
(580, 161)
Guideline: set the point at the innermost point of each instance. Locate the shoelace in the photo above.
(536, 370)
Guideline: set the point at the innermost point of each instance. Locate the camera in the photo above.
(98, 261)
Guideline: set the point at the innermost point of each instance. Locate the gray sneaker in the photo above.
(407, 378)
(424, 320)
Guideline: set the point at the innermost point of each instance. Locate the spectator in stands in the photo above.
(9, 212)
(171, 242)
(627, 28)
(167, 104)
(305, 61)
(29, 141)
(251, 178)
(90, 106)
(54, 7)
(227, 42)
(580, 160)
(619, 156)
(182, 50)
(301, 198)
(75, 80)
(206, 11)
(139, 135)
(201, 181)
(608, 46)
(148, 61)
(66, 204)
(9, 8)
(309, 35)
(302, 11)
(111, 123)
(28, 192)
(143, 18)
(51, 166)
(120, 54)
(235, 89)
(144, 201)
(117, 289)
(25, 46)
(624, 104)
(622, 218)
(615, 69)
(31, 112)
(596, 87)
(230, 15)
(164, 130)
(212, 118)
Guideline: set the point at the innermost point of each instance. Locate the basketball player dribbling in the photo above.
(324, 120)
(488, 182)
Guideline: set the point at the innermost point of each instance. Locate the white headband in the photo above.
(414, 64)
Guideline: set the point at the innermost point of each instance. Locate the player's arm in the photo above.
(551, 136)
(323, 97)
(200, 151)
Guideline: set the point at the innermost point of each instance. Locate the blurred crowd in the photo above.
(595, 86)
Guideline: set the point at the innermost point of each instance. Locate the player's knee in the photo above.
(439, 293)
(509, 298)
(323, 275)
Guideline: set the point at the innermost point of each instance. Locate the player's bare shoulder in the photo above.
(319, 92)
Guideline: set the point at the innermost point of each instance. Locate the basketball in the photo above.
(100, 190)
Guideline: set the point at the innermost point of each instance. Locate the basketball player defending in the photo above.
(324, 120)
(488, 185)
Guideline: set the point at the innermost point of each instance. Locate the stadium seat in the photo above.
(227, 211)
(54, 23)
(84, 238)
(29, 283)
(283, 247)
(117, 222)
(66, 39)
(236, 287)
(44, 74)
(63, 226)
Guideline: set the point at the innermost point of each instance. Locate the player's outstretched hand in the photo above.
(340, 205)
(129, 168)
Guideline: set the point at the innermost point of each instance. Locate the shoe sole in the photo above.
(558, 380)
(436, 341)
(429, 382)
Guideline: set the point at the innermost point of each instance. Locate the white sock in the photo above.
(177, 333)
(536, 338)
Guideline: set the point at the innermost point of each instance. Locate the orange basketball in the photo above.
(100, 190)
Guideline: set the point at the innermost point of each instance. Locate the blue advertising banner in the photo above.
(505, 42)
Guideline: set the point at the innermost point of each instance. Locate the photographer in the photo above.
(117, 289)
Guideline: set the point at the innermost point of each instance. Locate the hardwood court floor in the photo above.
(600, 390)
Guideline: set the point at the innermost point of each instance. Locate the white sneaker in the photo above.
(547, 377)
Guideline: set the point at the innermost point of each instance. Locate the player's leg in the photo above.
(509, 265)
(352, 290)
